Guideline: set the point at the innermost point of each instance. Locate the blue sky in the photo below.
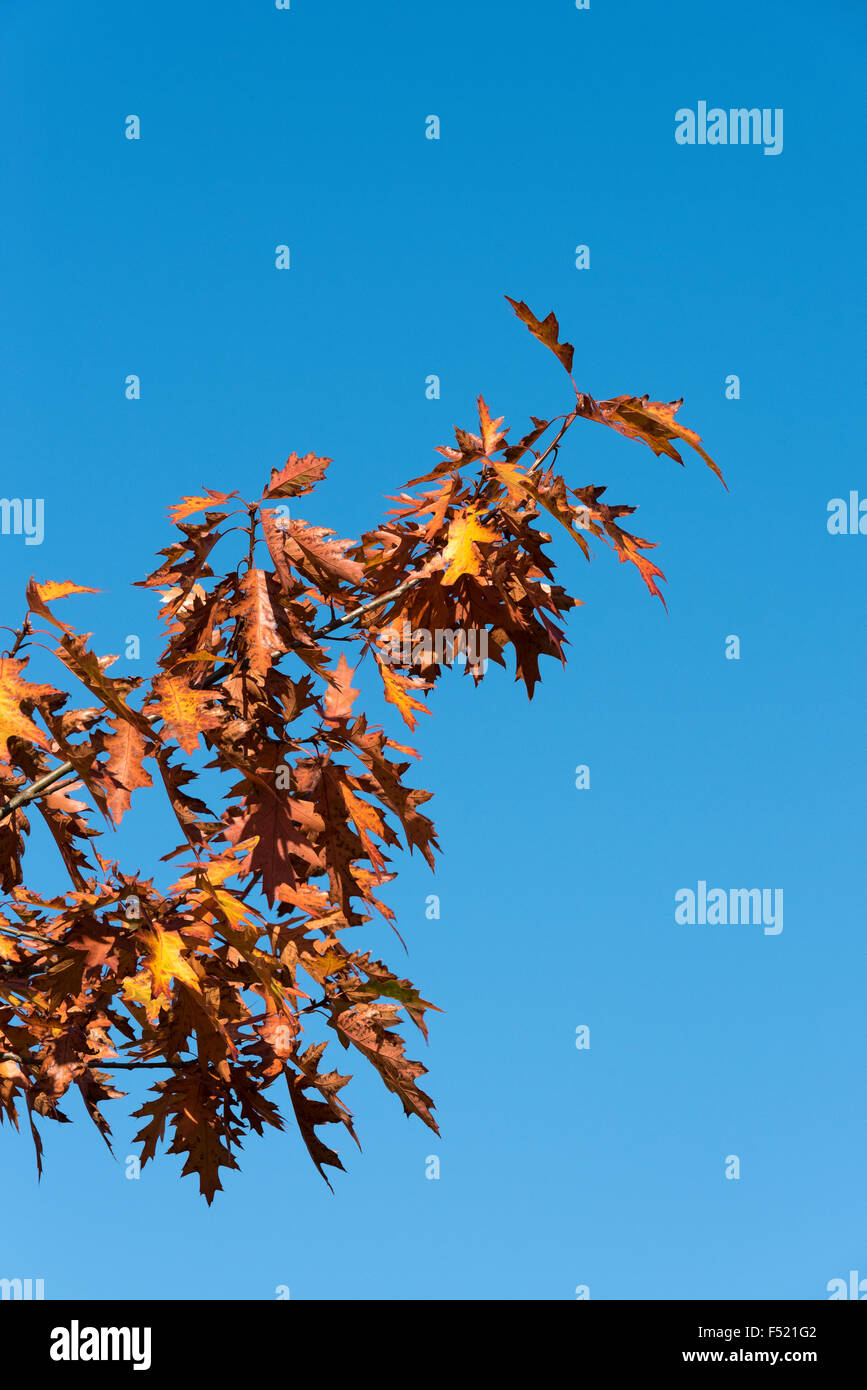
(559, 1167)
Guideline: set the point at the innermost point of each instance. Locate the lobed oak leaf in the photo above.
(653, 422)
(95, 1087)
(514, 480)
(546, 330)
(396, 689)
(472, 447)
(185, 712)
(340, 696)
(319, 557)
(454, 459)
(185, 561)
(297, 476)
(188, 506)
(193, 1104)
(516, 451)
(628, 546)
(90, 669)
(465, 534)
(322, 963)
(14, 723)
(279, 838)
(368, 820)
(365, 1028)
(39, 595)
(309, 1113)
(200, 656)
(216, 870)
(54, 589)
(126, 748)
(259, 638)
(552, 496)
(382, 983)
(188, 809)
(491, 434)
(164, 961)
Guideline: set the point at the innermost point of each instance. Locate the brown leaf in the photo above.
(491, 434)
(126, 748)
(90, 670)
(279, 840)
(546, 330)
(653, 422)
(297, 476)
(365, 1029)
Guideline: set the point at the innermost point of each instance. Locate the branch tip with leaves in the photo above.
(118, 973)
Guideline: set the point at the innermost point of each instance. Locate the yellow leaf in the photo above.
(138, 990)
(237, 912)
(320, 966)
(163, 962)
(513, 479)
(166, 962)
(465, 534)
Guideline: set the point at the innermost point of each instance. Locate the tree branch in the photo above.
(28, 793)
(25, 1059)
(44, 783)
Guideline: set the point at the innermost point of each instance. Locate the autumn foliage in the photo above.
(221, 979)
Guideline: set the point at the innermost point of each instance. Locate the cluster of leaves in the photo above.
(219, 990)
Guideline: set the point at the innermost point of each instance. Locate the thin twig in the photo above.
(569, 420)
(366, 607)
(19, 931)
(28, 793)
(132, 1066)
(25, 1059)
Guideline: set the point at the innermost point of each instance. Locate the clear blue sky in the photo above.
(559, 1167)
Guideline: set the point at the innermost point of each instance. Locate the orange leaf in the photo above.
(126, 748)
(396, 689)
(367, 821)
(261, 641)
(189, 505)
(39, 595)
(340, 696)
(59, 588)
(319, 966)
(13, 721)
(553, 499)
(492, 435)
(166, 962)
(185, 712)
